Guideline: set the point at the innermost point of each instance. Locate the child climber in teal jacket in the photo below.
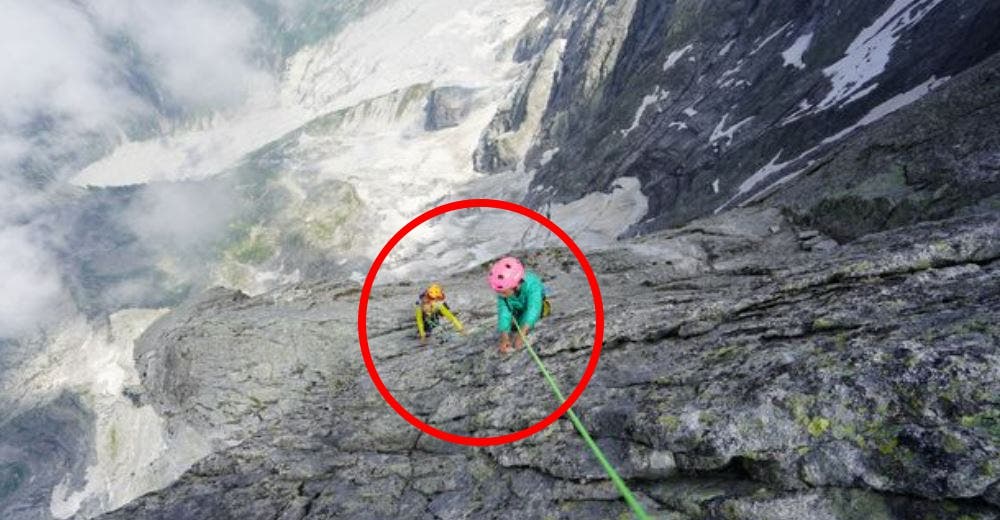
(520, 299)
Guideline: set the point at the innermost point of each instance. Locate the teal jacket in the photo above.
(526, 304)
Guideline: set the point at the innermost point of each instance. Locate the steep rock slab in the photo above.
(742, 377)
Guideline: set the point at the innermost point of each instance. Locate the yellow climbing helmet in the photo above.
(435, 292)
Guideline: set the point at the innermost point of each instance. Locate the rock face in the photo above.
(448, 106)
(228, 376)
(38, 449)
(937, 159)
(710, 104)
(818, 341)
(746, 374)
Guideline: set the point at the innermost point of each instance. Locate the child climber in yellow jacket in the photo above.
(429, 308)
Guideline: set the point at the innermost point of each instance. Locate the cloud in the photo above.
(78, 77)
(53, 63)
(203, 54)
(59, 86)
(30, 288)
(81, 71)
(185, 218)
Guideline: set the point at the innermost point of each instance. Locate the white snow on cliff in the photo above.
(889, 106)
(461, 42)
(650, 99)
(868, 55)
(793, 54)
(676, 56)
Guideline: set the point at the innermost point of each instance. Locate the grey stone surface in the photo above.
(448, 106)
(40, 449)
(751, 380)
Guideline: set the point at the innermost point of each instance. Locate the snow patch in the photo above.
(598, 218)
(891, 105)
(862, 93)
(730, 72)
(595, 220)
(547, 156)
(675, 56)
(193, 154)
(793, 54)
(774, 185)
(802, 111)
(868, 55)
(725, 80)
(657, 96)
(727, 133)
(772, 167)
(726, 48)
(715, 186)
(767, 40)
(735, 83)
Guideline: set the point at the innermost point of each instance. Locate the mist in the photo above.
(81, 77)
(29, 284)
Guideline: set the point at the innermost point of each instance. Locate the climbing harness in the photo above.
(623, 489)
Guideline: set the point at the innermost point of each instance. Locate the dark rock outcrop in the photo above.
(40, 449)
(743, 376)
(225, 370)
(448, 107)
(940, 157)
(709, 104)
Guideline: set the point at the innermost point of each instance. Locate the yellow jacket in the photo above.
(438, 308)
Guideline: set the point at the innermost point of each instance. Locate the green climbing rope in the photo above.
(623, 489)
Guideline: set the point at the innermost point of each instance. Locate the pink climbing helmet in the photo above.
(505, 274)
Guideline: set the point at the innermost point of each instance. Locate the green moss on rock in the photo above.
(953, 444)
(255, 248)
(823, 324)
(987, 422)
(818, 426)
(670, 422)
(888, 446)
